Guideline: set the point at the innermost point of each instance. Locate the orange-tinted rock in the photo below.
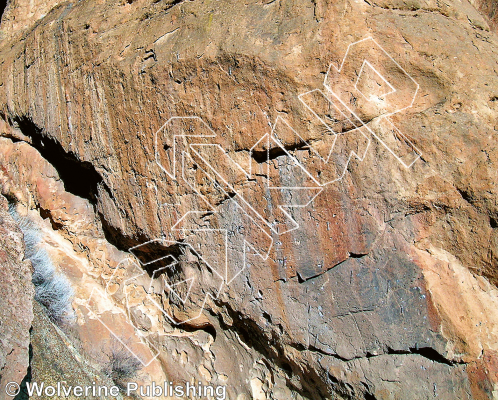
(386, 285)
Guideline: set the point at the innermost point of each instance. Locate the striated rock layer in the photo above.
(378, 283)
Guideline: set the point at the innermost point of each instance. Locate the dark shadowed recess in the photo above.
(270, 347)
(23, 393)
(263, 156)
(154, 256)
(79, 177)
(82, 179)
(3, 6)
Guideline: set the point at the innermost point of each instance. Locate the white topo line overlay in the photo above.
(186, 141)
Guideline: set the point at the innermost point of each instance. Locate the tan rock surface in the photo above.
(358, 301)
(16, 298)
(55, 362)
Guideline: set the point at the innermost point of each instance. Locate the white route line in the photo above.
(192, 222)
(385, 116)
(365, 62)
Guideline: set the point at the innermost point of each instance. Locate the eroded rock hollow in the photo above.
(284, 199)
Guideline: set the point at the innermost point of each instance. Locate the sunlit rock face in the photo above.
(295, 199)
(16, 302)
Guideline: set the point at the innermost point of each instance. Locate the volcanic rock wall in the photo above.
(16, 300)
(370, 273)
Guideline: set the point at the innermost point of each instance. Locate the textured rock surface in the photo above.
(16, 302)
(55, 360)
(490, 9)
(388, 287)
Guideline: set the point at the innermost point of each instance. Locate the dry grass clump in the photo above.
(52, 289)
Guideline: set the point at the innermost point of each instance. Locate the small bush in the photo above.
(56, 294)
(120, 365)
(52, 289)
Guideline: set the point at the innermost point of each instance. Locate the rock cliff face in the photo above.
(318, 178)
(489, 9)
(16, 295)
